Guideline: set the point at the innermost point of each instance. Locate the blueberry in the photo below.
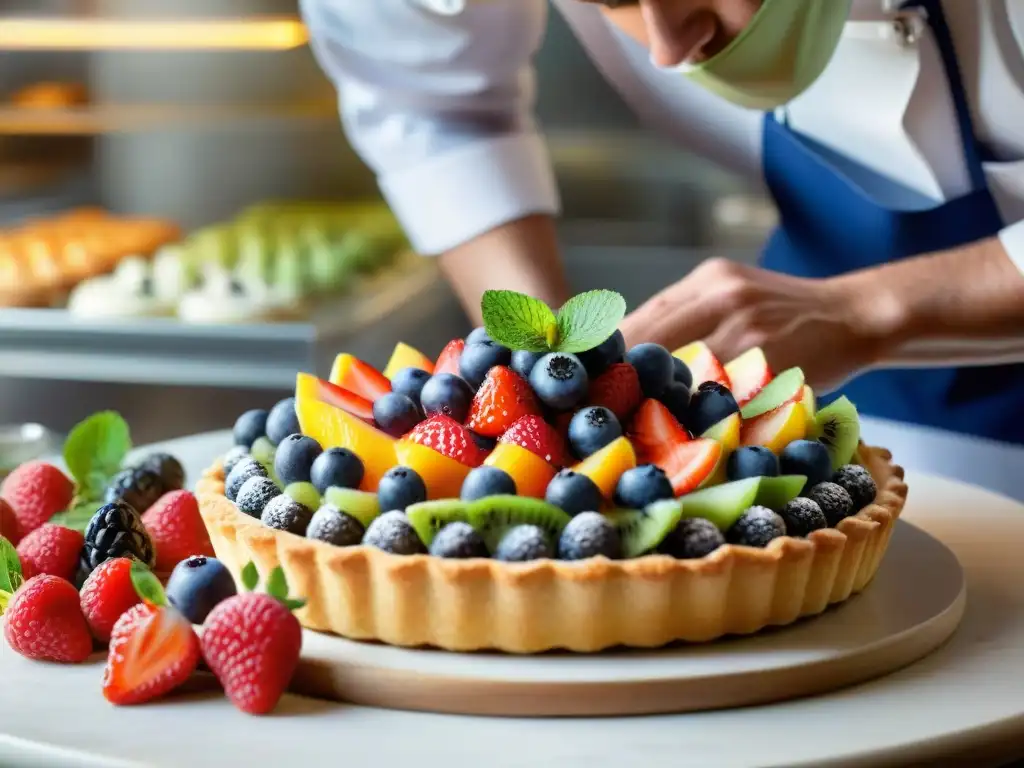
(692, 539)
(392, 533)
(641, 486)
(172, 474)
(250, 427)
(337, 468)
(483, 442)
(573, 493)
(396, 414)
(857, 482)
(478, 358)
(282, 421)
(400, 487)
(676, 397)
(751, 461)
(802, 516)
(197, 584)
(523, 361)
(410, 382)
(335, 527)
(448, 394)
(255, 494)
(523, 543)
(610, 351)
(591, 429)
(709, 405)
(487, 481)
(478, 335)
(653, 365)
(809, 458)
(232, 457)
(756, 527)
(589, 534)
(243, 470)
(294, 459)
(286, 514)
(681, 372)
(458, 540)
(834, 501)
(559, 380)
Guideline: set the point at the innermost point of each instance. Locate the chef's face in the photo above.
(677, 31)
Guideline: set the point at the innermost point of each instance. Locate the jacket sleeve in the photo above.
(441, 109)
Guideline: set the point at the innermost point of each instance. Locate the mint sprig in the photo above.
(94, 451)
(10, 573)
(521, 322)
(147, 585)
(77, 518)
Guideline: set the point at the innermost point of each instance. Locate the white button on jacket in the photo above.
(437, 97)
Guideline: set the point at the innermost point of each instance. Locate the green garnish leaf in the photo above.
(292, 604)
(95, 450)
(147, 585)
(277, 584)
(250, 576)
(588, 319)
(5, 598)
(517, 321)
(77, 518)
(10, 569)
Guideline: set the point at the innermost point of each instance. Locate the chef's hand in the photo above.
(823, 326)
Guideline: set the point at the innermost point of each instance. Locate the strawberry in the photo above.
(689, 465)
(340, 397)
(504, 397)
(449, 438)
(252, 643)
(37, 491)
(44, 621)
(51, 549)
(653, 431)
(618, 390)
(177, 530)
(448, 360)
(538, 437)
(106, 594)
(10, 529)
(358, 377)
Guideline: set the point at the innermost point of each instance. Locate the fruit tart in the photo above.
(538, 487)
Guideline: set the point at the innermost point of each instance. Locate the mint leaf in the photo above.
(588, 319)
(95, 449)
(10, 567)
(77, 518)
(250, 576)
(147, 585)
(518, 321)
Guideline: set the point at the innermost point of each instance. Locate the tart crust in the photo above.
(363, 593)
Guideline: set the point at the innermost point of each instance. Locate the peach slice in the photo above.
(727, 434)
(748, 374)
(776, 429)
(702, 364)
(607, 465)
(353, 374)
(442, 476)
(531, 473)
(310, 387)
(406, 356)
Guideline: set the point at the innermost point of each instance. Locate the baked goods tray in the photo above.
(414, 305)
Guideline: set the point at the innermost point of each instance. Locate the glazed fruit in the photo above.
(396, 414)
(653, 364)
(449, 438)
(787, 387)
(641, 486)
(748, 374)
(606, 354)
(404, 358)
(458, 540)
(573, 493)
(495, 516)
(448, 360)
(642, 530)
(338, 468)
(333, 526)
(448, 395)
(487, 481)
(36, 492)
(354, 375)
(591, 429)
(393, 533)
(410, 382)
(250, 426)
(756, 527)
(282, 421)
(834, 501)
(711, 403)
(305, 493)
(776, 429)
(802, 517)
(559, 380)
(311, 388)
(809, 458)
(479, 357)
(692, 539)
(176, 529)
(606, 466)
(442, 476)
(702, 363)
(618, 390)
(589, 534)
(50, 549)
(401, 487)
(243, 471)
(721, 504)
(197, 585)
(681, 373)
(293, 462)
(139, 486)
(504, 397)
(171, 473)
(857, 482)
(44, 622)
(530, 472)
(285, 514)
(752, 461)
(524, 543)
(116, 530)
(837, 426)
(361, 505)
(538, 437)
(523, 362)
(255, 494)
(106, 594)
(429, 517)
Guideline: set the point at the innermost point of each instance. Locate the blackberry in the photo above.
(857, 482)
(834, 501)
(392, 533)
(255, 494)
(589, 534)
(458, 540)
(116, 530)
(335, 527)
(522, 543)
(169, 468)
(285, 514)
(802, 516)
(232, 457)
(756, 528)
(243, 470)
(139, 486)
(692, 539)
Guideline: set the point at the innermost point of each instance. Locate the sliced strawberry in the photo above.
(358, 377)
(504, 397)
(448, 360)
(537, 436)
(342, 398)
(690, 464)
(618, 390)
(653, 431)
(449, 438)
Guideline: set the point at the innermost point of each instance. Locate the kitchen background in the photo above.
(197, 137)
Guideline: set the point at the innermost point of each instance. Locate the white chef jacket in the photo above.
(437, 98)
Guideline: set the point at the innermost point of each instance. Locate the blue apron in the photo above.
(829, 226)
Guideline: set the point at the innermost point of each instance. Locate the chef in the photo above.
(890, 135)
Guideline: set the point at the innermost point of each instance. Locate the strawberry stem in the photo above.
(250, 576)
(147, 585)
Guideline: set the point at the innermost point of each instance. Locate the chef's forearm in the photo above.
(519, 256)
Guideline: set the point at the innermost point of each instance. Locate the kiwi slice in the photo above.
(361, 505)
(722, 504)
(493, 516)
(776, 492)
(641, 530)
(838, 427)
(783, 388)
(429, 517)
(305, 493)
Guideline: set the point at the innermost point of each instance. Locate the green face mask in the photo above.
(783, 50)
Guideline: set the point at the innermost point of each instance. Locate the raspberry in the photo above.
(37, 491)
(51, 549)
(44, 622)
(106, 594)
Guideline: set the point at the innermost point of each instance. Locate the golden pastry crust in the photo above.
(364, 593)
